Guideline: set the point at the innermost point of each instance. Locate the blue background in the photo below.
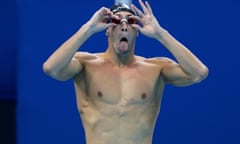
(205, 113)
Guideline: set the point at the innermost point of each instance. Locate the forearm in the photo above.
(186, 59)
(64, 54)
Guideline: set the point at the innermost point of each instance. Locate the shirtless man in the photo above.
(118, 93)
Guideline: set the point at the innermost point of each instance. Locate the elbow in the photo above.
(48, 69)
(202, 74)
(52, 72)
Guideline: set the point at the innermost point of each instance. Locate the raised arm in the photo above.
(188, 69)
(63, 64)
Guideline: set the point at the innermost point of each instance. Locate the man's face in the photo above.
(123, 35)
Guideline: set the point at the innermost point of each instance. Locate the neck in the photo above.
(119, 59)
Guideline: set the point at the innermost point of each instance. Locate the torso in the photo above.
(119, 105)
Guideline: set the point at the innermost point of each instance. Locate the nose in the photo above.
(124, 26)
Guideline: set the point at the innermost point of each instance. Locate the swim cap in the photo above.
(122, 5)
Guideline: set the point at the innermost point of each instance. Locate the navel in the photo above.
(99, 94)
(143, 96)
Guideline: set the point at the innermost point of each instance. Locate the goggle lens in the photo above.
(128, 21)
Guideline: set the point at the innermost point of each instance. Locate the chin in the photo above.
(123, 53)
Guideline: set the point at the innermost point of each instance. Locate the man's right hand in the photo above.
(100, 20)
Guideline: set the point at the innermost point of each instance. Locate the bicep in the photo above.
(174, 74)
(75, 66)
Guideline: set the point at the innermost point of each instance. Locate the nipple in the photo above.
(99, 93)
(143, 96)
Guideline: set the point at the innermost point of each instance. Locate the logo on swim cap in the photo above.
(124, 2)
(122, 5)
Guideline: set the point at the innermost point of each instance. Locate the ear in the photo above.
(107, 32)
(137, 33)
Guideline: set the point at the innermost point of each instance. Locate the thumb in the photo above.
(136, 26)
(110, 25)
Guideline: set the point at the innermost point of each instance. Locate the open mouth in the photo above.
(124, 39)
(123, 44)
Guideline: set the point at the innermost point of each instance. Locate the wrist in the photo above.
(84, 31)
(88, 29)
(161, 33)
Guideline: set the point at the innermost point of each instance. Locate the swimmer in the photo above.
(119, 93)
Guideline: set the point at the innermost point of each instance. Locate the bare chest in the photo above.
(123, 86)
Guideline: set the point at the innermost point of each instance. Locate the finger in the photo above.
(145, 10)
(106, 19)
(138, 19)
(139, 12)
(110, 25)
(149, 7)
(102, 11)
(115, 17)
(138, 27)
(109, 16)
(105, 11)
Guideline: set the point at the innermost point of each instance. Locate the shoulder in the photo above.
(160, 60)
(85, 56)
